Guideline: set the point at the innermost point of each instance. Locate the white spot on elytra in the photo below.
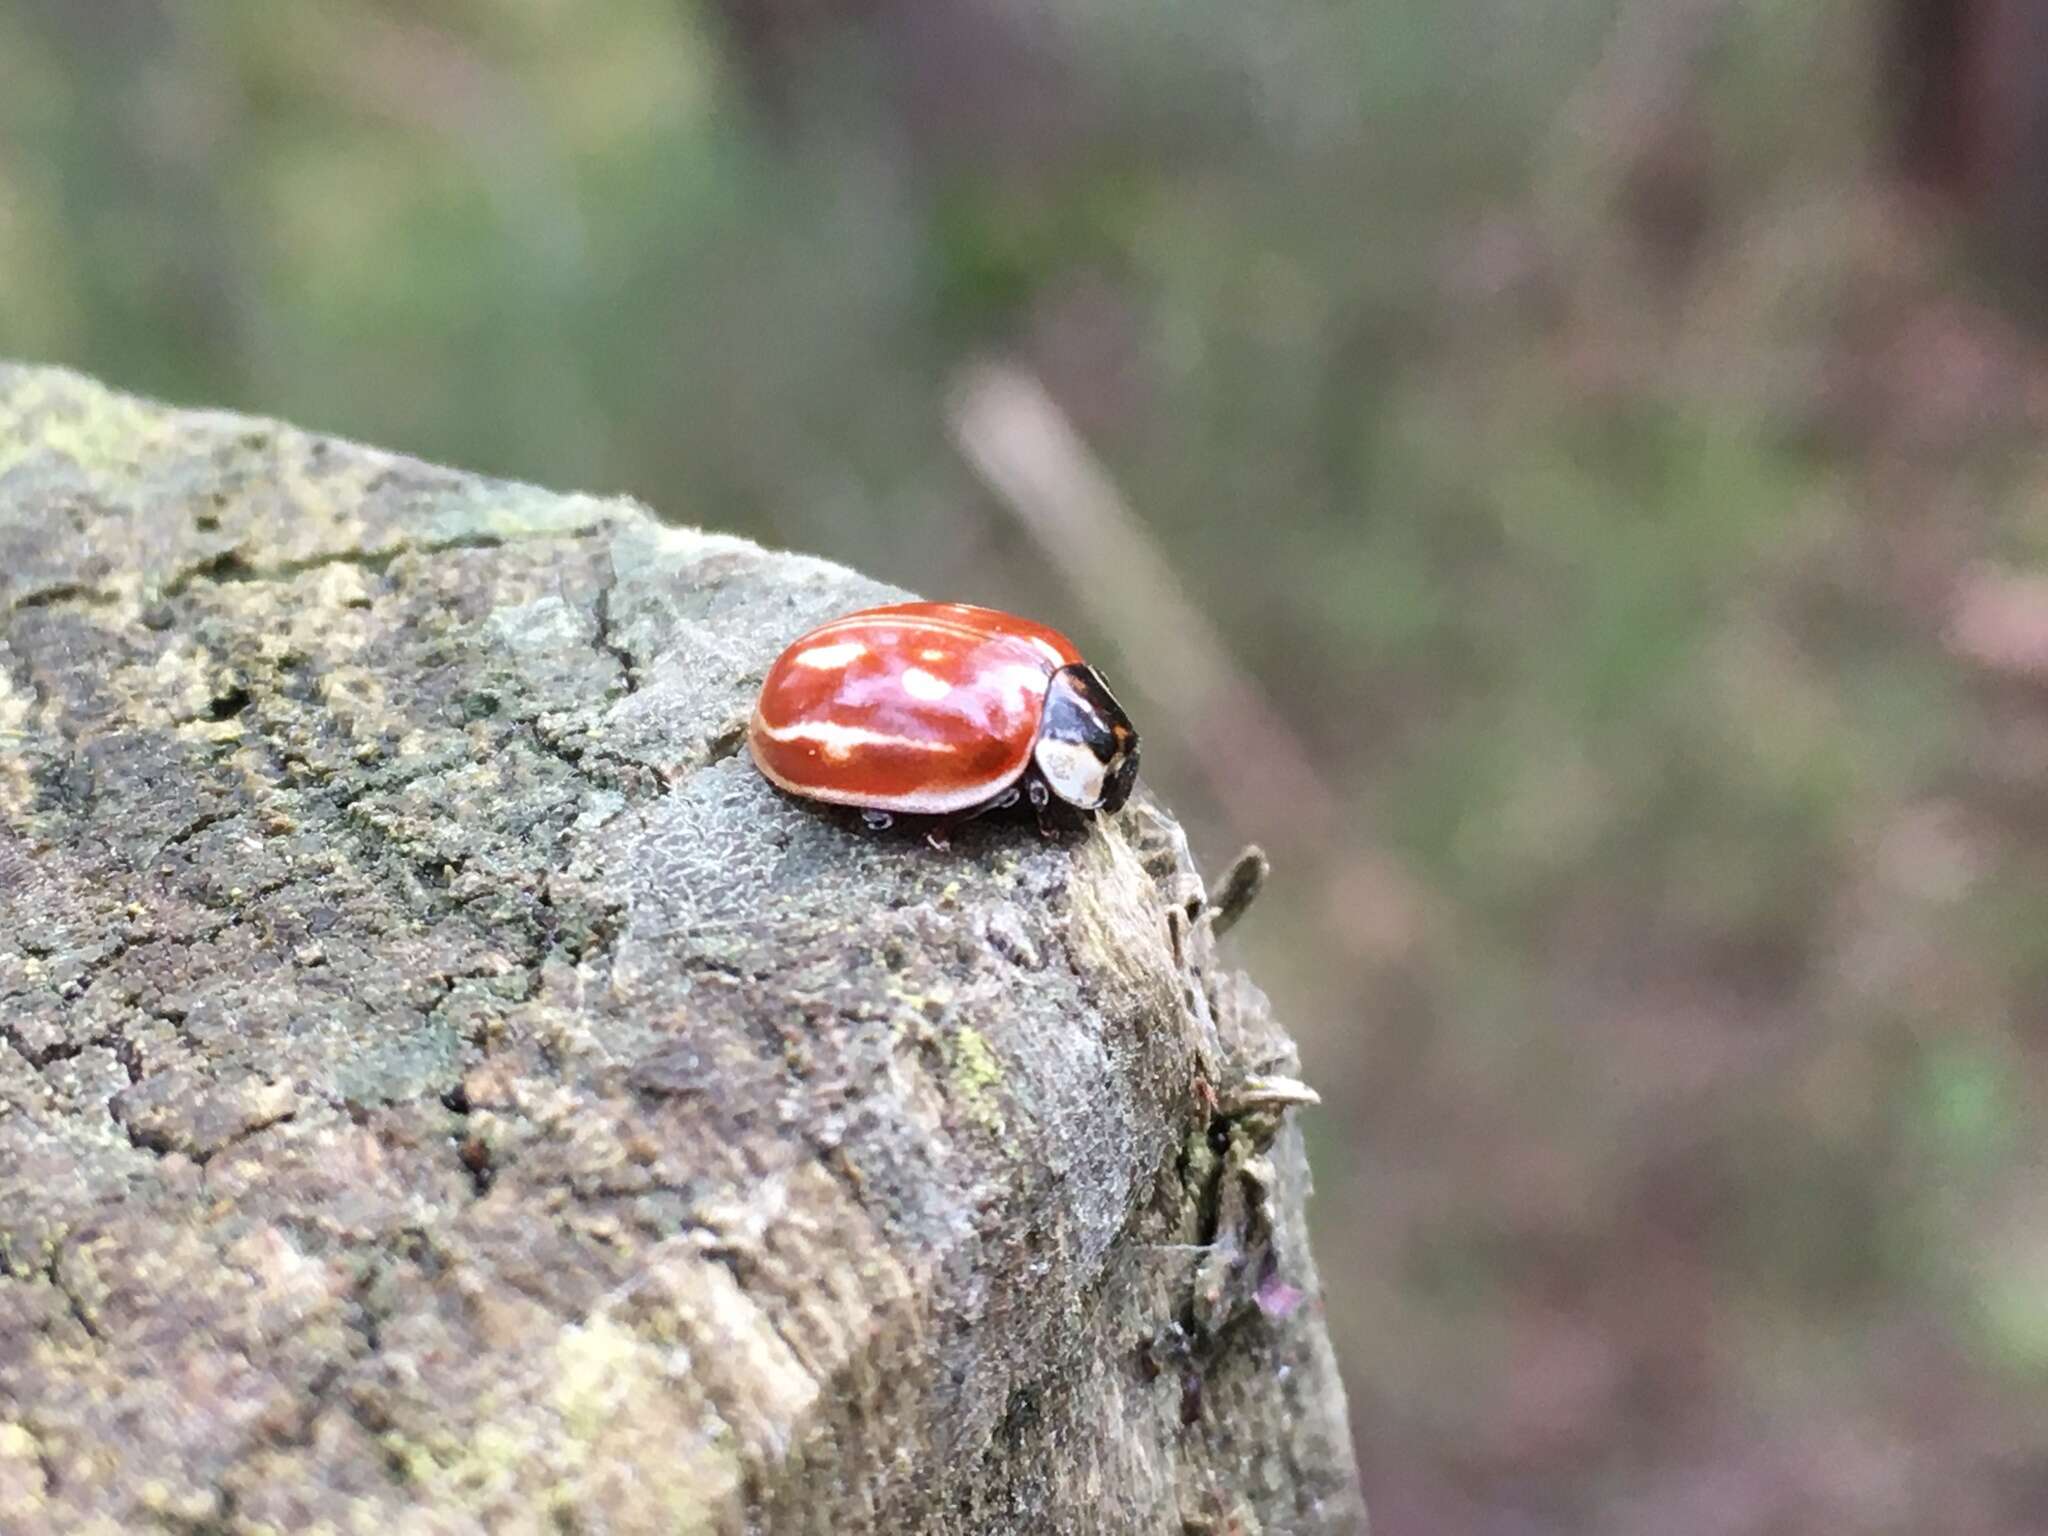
(1019, 683)
(826, 657)
(920, 684)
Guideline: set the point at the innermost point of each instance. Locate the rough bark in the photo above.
(444, 1089)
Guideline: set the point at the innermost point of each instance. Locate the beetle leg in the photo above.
(1000, 801)
(1041, 806)
(941, 834)
(878, 821)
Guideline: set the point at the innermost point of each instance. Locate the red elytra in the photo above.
(941, 709)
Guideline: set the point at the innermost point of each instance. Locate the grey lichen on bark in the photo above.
(444, 1089)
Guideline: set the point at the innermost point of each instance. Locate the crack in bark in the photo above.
(70, 1050)
(472, 1151)
(91, 971)
(160, 1144)
(61, 592)
(67, 996)
(124, 1048)
(52, 1270)
(46, 1460)
(726, 744)
(205, 821)
(231, 566)
(607, 639)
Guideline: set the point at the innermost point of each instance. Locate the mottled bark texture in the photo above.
(444, 1089)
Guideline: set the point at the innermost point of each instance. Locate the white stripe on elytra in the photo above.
(839, 740)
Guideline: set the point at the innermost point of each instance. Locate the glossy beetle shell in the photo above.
(920, 708)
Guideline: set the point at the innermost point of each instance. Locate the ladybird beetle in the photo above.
(941, 709)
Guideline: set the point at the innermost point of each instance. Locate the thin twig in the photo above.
(1022, 445)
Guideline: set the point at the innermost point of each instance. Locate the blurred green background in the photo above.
(1581, 504)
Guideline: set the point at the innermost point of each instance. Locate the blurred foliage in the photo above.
(1555, 409)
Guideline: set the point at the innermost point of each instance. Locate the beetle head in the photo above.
(1087, 748)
